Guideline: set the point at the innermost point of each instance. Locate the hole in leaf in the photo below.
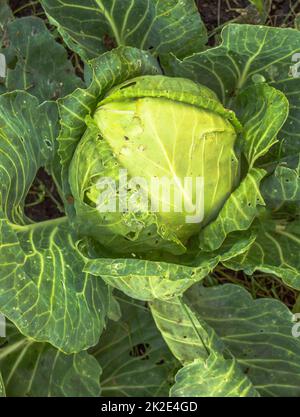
(140, 350)
(131, 235)
(109, 42)
(43, 201)
(48, 143)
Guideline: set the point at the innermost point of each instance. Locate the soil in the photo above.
(217, 12)
(23, 8)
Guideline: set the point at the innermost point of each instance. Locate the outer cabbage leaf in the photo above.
(214, 377)
(36, 62)
(207, 370)
(281, 190)
(275, 251)
(262, 110)
(278, 231)
(33, 369)
(148, 280)
(225, 319)
(43, 289)
(130, 349)
(27, 142)
(91, 27)
(186, 334)
(258, 333)
(39, 291)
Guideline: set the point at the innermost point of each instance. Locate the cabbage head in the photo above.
(145, 138)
